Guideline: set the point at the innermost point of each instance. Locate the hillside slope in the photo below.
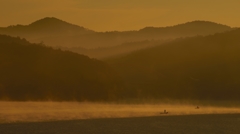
(35, 72)
(192, 68)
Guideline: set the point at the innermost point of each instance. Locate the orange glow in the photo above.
(108, 15)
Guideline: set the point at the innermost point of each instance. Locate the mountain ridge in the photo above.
(67, 36)
(54, 22)
(47, 26)
(195, 22)
(201, 67)
(36, 72)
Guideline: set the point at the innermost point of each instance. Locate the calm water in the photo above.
(174, 124)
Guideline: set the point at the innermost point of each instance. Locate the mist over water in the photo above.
(53, 111)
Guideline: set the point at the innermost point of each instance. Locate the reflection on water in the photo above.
(50, 111)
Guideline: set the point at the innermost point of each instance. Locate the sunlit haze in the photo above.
(45, 111)
(119, 66)
(121, 15)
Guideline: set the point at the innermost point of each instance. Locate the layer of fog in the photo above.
(53, 111)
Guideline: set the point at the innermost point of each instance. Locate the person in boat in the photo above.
(164, 112)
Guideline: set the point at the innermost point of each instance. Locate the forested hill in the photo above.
(192, 68)
(187, 29)
(58, 33)
(35, 72)
(45, 27)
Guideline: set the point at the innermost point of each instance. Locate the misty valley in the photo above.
(51, 59)
(54, 70)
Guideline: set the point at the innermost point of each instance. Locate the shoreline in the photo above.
(123, 118)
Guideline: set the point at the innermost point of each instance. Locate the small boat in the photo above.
(164, 112)
(197, 107)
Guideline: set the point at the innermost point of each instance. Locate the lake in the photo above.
(185, 124)
(100, 118)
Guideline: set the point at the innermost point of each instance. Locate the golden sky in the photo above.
(121, 15)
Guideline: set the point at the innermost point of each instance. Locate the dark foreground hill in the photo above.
(192, 68)
(35, 72)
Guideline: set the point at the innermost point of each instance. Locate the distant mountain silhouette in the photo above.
(55, 25)
(115, 38)
(150, 35)
(191, 68)
(57, 33)
(35, 72)
(188, 29)
(45, 27)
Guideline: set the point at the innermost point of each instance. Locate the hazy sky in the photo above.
(108, 15)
